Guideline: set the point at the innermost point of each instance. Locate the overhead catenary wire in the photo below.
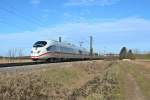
(14, 25)
(12, 10)
(20, 16)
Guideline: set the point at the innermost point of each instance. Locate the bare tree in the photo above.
(12, 54)
(20, 52)
(136, 51)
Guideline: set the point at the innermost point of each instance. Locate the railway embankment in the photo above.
(82, 80)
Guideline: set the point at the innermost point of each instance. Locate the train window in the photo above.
(80, 52)
(66, 50)
(49, 48)
(62, 49)
(40, 44)
(53, 48)
(70, 50)
(58, 48)
(75, 51)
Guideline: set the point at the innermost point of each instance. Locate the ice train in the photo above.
(55, 50)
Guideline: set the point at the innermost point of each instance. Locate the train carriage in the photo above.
(45, 50)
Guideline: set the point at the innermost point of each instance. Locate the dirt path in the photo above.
(132, 90)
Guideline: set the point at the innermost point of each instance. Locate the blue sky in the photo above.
(112, 23)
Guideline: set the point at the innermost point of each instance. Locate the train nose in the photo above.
(34, 58)
(34, 55)
(35, 52)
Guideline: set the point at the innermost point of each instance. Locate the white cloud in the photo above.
(91, 2)
(35, 2)
(131, 24)
(102, 31)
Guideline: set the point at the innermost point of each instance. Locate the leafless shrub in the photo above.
(100, 87)
(20, 52)
(35, 86)
(30, 87)
(13, 53)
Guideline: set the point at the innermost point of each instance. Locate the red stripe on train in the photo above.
(36, 57)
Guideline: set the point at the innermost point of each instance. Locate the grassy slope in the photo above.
(120, 78)
(104, 86)
(143, 56)
(53, 83)
(67, 76)
(140, 74)
(80, 81)
(95, 79)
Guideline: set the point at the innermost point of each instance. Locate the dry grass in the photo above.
(30, 86)
(141, 72)
(91, 80)
(99, 88)
(8, 60)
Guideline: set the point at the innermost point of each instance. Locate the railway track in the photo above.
(5, 65)
(28, 66)
(20, 64)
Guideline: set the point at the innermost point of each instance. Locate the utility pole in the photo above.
(91, 46)
(59, 39)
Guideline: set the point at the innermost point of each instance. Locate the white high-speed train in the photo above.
(48, 49)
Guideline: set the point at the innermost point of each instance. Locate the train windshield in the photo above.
(40, 44)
